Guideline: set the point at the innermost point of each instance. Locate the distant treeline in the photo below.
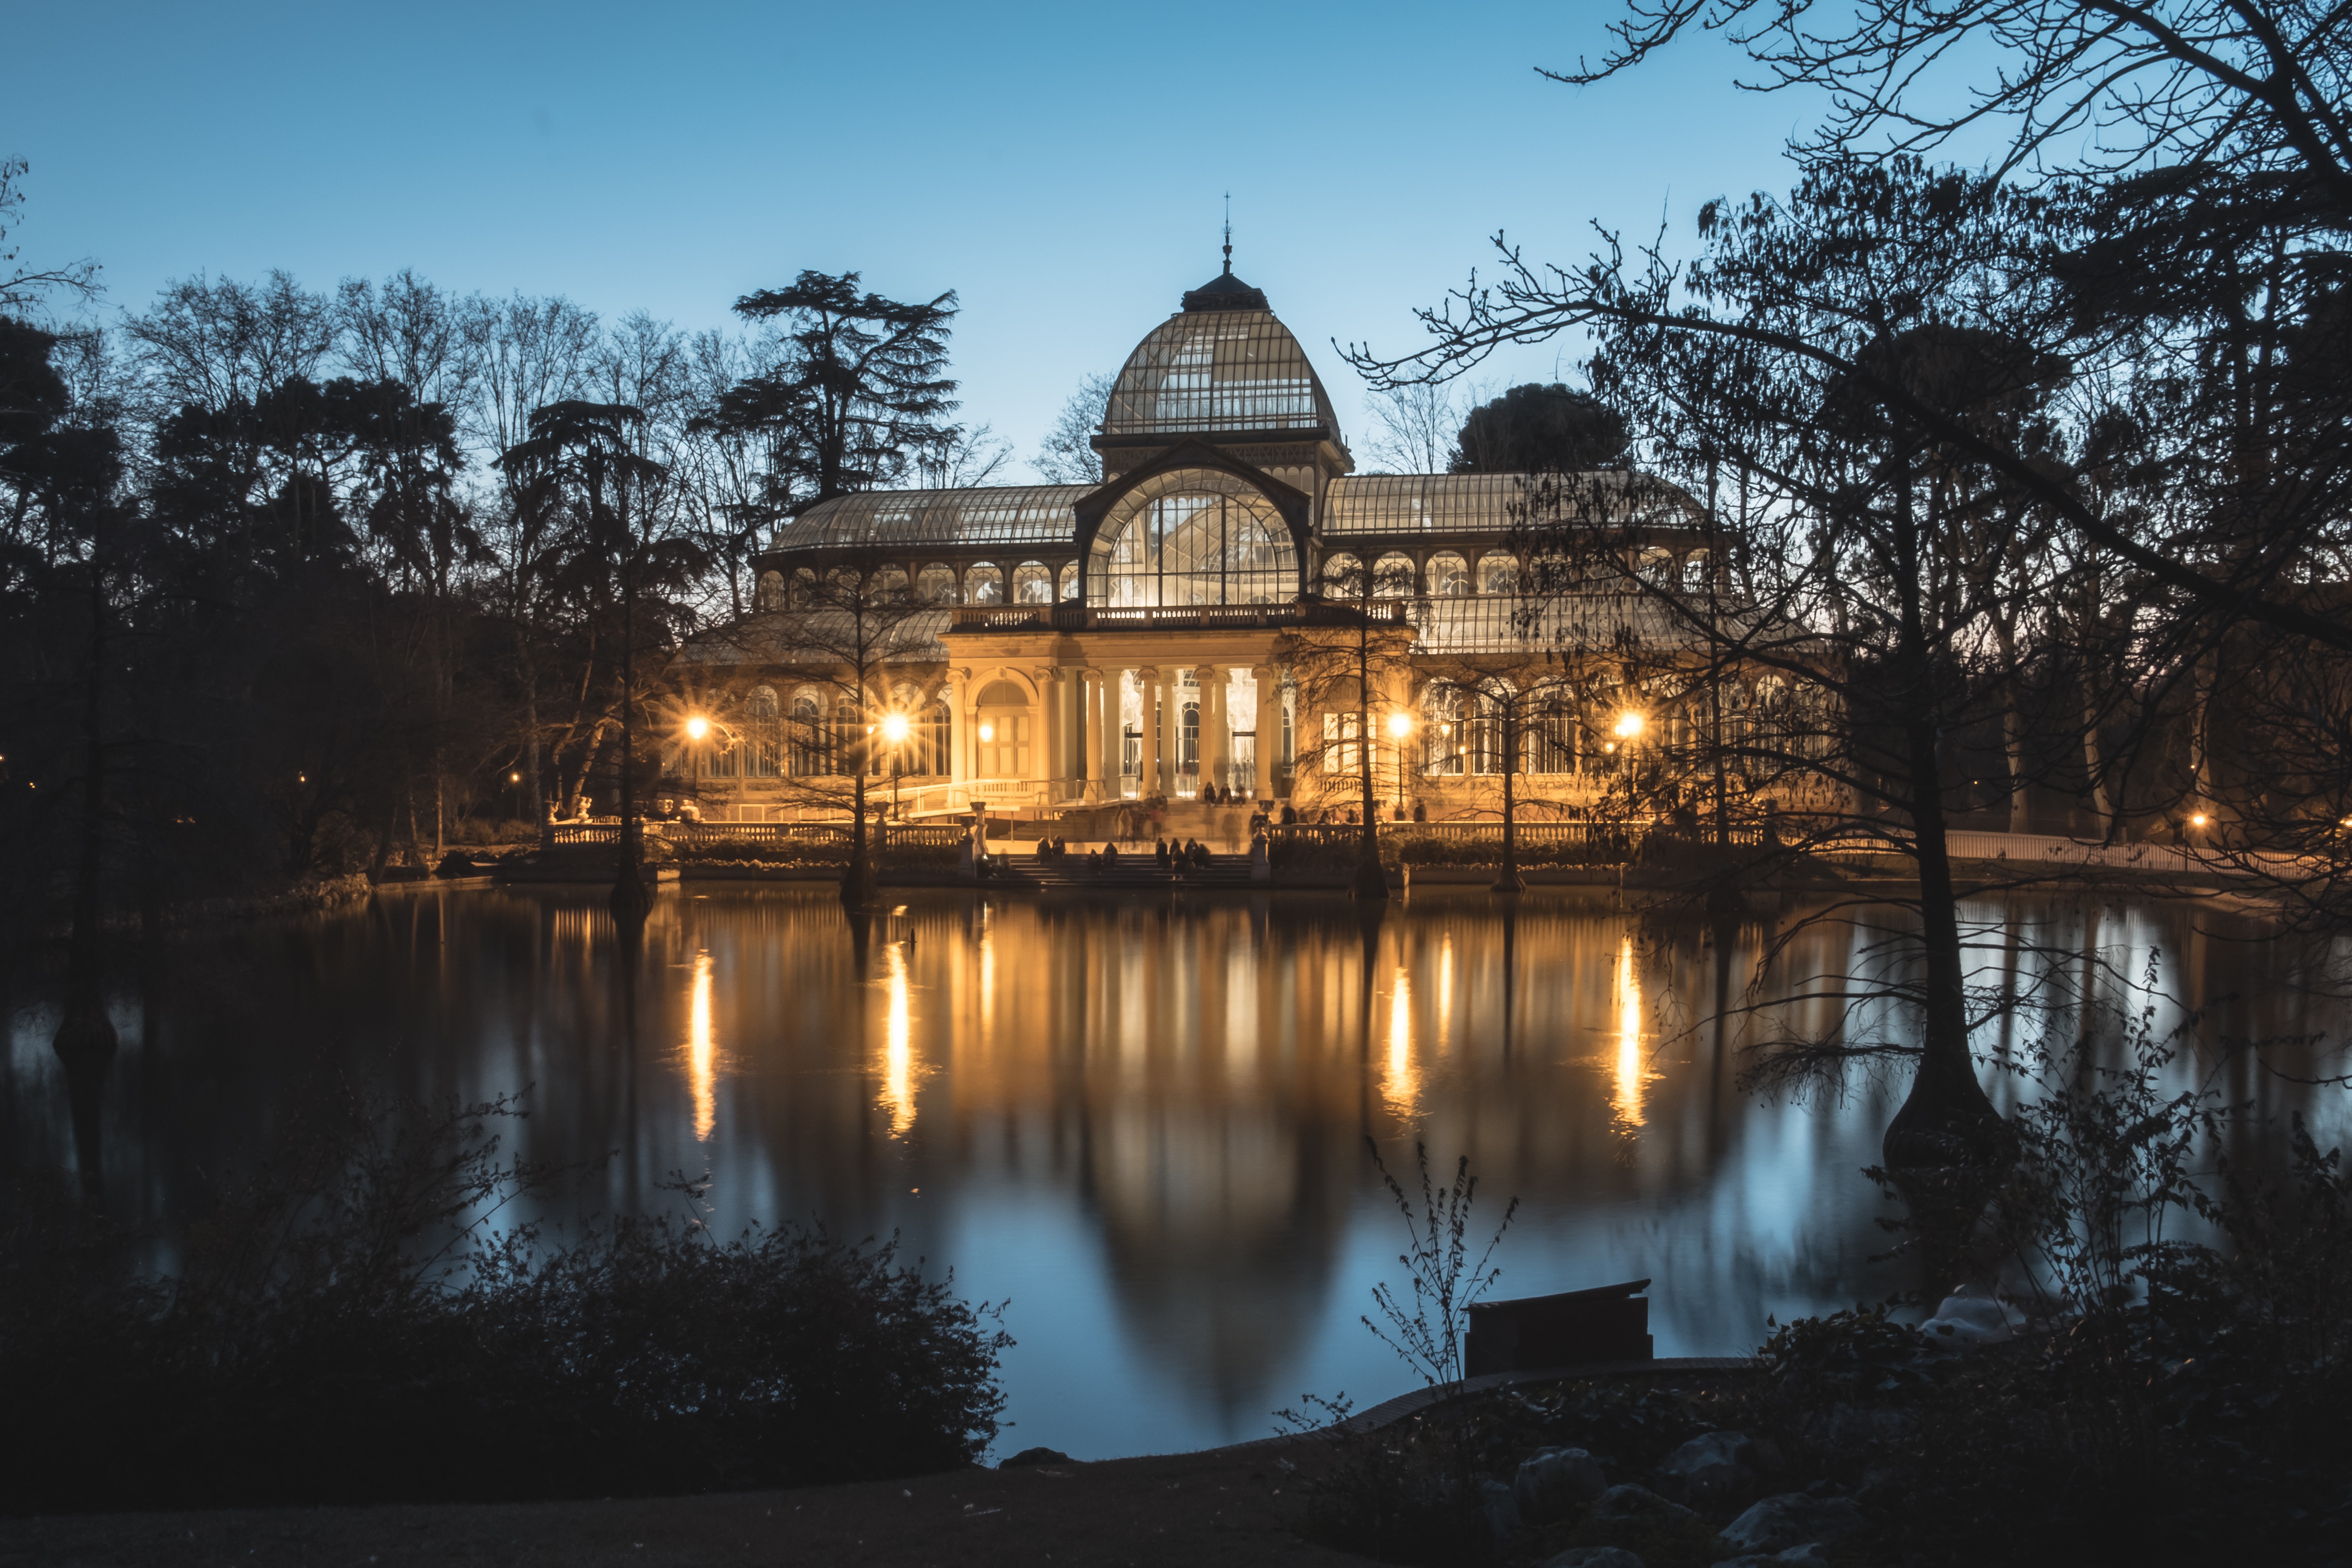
(305, 582)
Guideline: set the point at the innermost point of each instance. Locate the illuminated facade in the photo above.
(1074, 643)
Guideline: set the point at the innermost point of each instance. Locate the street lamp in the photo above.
(1629, 725)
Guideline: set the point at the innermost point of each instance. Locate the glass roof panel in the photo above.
(1478, 503)
(994, 514)
(1208, 371)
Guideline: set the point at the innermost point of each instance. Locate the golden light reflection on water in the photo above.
(1445, 990)
(1401, 1087)
(1626, 1002)
(898, 1048)
(702, 1053)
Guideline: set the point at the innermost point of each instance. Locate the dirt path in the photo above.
(1222, 1506)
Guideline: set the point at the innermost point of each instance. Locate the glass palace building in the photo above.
(1053, 645)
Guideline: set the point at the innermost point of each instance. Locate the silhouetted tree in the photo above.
(1535, 429)
(859, 393)
(1067, 455)
(622, 556)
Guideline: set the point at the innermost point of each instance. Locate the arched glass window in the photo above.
(936, 585)
(771, 592)
(721, 756)
(1441, 729)
(1193, 537)
(1070, 581)
(1498, 573)
(1394, 577)
(803, 592)
(890, 585)
(984, 584)
(1552, 730)
(1449, 575)
(806, 735)
(1343, 576)
(1033, 583)
(763, 734)
(1695, 572)
(1656, 566)
(1486, 741)
(847, 749)
(933, 725)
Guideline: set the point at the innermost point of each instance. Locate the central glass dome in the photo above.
(1222, 364)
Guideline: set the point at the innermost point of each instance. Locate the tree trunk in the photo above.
(1510, 881)
(85, 1042)
(527, 669)
(2012, 740)
(857, 877)
(2201, 735)
(630, 898)
(1946, 1124)
(1371, 882)
(2094, 764)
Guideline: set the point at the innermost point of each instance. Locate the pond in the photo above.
(1140, 1124)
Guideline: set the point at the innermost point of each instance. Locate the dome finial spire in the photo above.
(1229, 234)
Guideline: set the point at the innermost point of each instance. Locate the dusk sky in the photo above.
(1061, 167)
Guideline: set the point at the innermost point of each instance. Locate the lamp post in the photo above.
(1399, 726)
(1628, 729)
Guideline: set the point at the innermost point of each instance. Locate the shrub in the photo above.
(348, 1329)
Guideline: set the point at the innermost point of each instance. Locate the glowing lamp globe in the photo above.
(697, 728)
(1629, 725)
(894, 728)
(1400, 725)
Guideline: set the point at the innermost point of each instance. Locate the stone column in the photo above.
(1048, 739)
(1109, 736)
(1269, 729)
(959, 730)
(1083, 745)
(1213, 745)
(1171, 728)
(1146, 682)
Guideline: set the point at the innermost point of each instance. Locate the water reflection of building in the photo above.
(1199, 1077)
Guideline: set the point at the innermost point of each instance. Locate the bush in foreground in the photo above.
(350, 1330)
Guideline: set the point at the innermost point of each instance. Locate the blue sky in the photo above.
(1061, 166)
